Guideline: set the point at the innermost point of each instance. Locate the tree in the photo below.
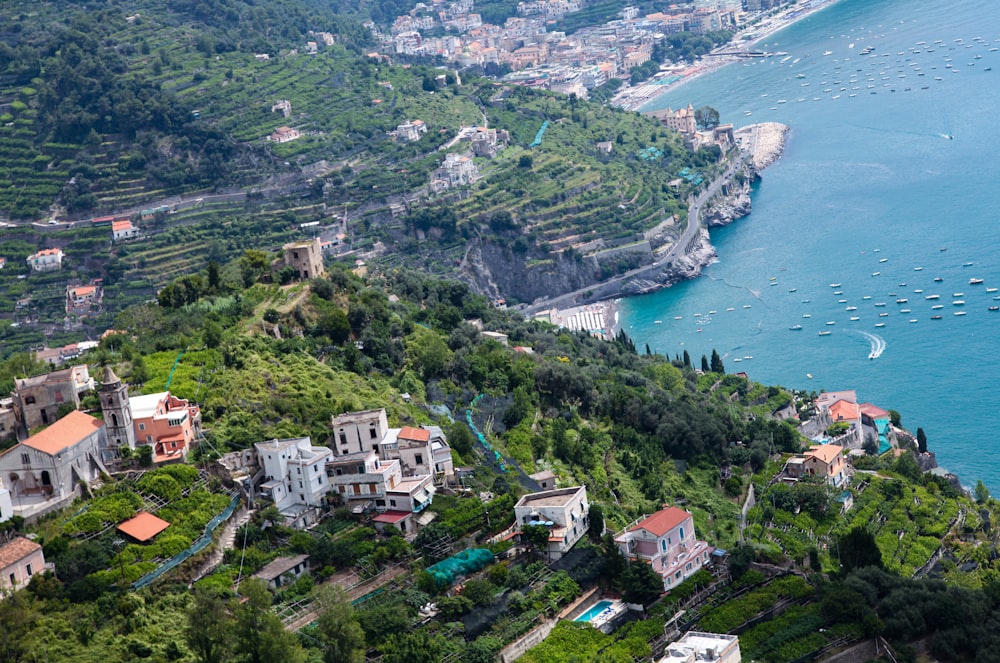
(707, 118)
(259, 636)
(525, 162)
(460, 438)
(981, 492)
(705, 368)
(717, 366)
(595, 519)
(895, 418)
(537, 537)
(641, 584)
(208, 627)
(921, 440)
(342, 638)
(212, 334)
(857, 548)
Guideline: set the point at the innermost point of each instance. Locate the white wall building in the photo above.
(354, 432)
(696, 646)
(46, 260)
(295, 477)
(563, 511)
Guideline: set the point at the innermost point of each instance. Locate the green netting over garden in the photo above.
(464, 563)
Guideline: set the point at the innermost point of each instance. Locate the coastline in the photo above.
(768, 28)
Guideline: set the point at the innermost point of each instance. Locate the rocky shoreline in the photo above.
(764, 143)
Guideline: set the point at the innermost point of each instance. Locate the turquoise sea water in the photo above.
(904, 171)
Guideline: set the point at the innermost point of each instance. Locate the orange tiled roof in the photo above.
(16, 550)
(662, 521)
(84, 290)
(825, 452)
(844, 410)
(123, 224)
(65, 433)
(873, 411)
(411, 433)
(144, 526)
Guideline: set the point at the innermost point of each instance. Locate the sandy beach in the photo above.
(642, 95)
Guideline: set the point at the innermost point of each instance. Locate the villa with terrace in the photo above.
(667, 541)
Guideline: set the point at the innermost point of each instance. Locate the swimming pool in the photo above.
(595, 610)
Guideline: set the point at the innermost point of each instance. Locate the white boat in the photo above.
(657, 322)
(918, 269)
(867, 297)
(880, 324)
(959, 312)
(678, 317)
(883, 260)
(975, 281)
(935, 317)
(834, 285)
(746, 306)
(854, 318)
(912, 320)
(932, 297)
(851, 308)
(796, 327)
(876, 273)
(883, 315)
(879, 303)
(806, 315)
(830, 323)
(937, 306)
(994, 308)
(918, 291)
(901, 300)
(841, 301)
(824, 333)
(958, 295)
(991, 289)
(958, 302)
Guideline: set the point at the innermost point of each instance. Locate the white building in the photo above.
(295, 477)
(696, 646)
(420, 451)
(362, 479)
(564, 512)
(46, 260)
(122, 229)
(354, 432)
(666, 540)
(411, 130)
(45, 471)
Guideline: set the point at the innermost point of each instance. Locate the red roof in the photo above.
(873, 411)
(662, 521)
(411, 433)
(391, 517)
(16, 550)
(65, 433)
(844, 411)
(123, 224)
(143, 527)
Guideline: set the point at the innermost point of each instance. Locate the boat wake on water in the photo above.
(754, 293)
(878, 344)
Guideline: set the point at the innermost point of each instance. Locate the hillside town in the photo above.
(529, 52)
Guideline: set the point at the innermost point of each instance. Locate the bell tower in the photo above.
(117, 411)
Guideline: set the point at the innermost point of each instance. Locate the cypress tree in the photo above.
(717, 366)
(704, 364)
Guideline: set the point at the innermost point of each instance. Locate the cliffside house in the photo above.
(168, 423)
(667, 541)
(44, 472)
(680, 120)
(20, 559)
(284, 134)
(697, 646)
(283, 571)
(46, 260)
(564, 512)
(83, 300)
(295, 478)
(411, 130)
(122, 229)
(420, 451)
(824, 460)
(37, 399)
(305, 257)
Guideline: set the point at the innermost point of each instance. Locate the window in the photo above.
(13, 580)
(302, 498)
(392, 502)
(298, 470)
(419, 459)
(379, 502)
(373, 432)
(28, 569)
(682, 534)
(663, 545)
(343, 437)
(25, 459)
(29, 400)
(300, 484)
(340, 471)
(142, 426)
